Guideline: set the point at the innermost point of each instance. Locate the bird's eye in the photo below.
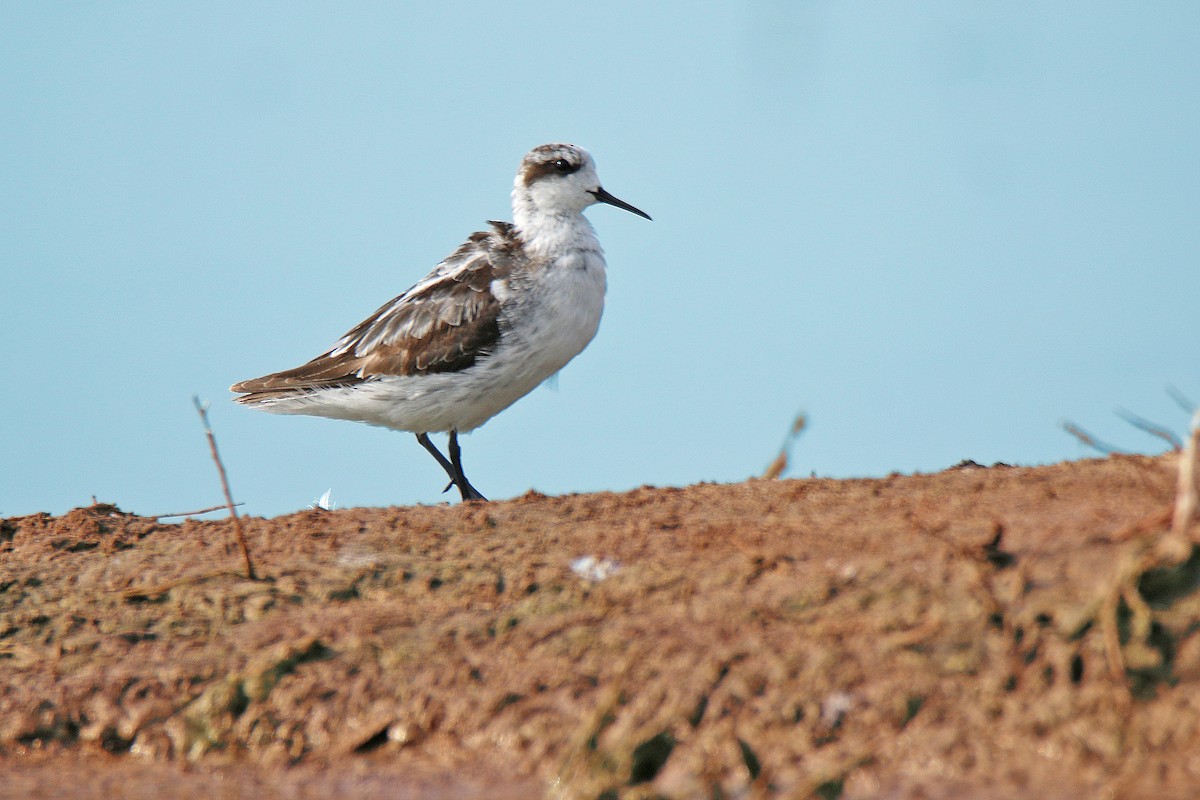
(564, 167)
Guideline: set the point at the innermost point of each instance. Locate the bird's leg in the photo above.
(469, 492)
(453, 466)
(423, 438)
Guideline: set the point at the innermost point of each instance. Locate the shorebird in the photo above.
(507, 310)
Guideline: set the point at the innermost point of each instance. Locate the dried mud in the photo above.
(978, 633)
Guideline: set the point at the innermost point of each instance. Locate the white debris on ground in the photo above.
(835, 707)
(357, 556)
(592, 568)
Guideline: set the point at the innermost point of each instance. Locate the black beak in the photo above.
(605, 197)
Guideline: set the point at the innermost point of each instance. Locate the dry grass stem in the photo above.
(780, 464)
(1143, 424)
(208, 510)
(1181, 400)
(1089, 440)
(202, 409)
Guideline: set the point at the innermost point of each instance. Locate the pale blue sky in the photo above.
(939, 228)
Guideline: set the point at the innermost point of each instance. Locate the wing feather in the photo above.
(445, 323)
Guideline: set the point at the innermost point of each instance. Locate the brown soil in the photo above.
(978, 633)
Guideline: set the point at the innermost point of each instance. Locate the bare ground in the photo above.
(978, 633)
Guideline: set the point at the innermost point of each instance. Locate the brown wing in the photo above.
(443, 324)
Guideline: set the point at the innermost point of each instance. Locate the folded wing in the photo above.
(445, 323)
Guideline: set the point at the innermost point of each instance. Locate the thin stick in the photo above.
(1184, 403)
(194, 513)
(202, 409)
(1089, 440)
(780, 464)
(1143, 424)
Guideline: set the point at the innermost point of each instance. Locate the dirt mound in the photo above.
(979, 633)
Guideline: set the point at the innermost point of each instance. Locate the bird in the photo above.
(502, 314)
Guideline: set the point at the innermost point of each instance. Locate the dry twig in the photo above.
(193, 513)
(1183, 402)
(202, 409)
(780, 464)
(1143, 424)
(1089, 440)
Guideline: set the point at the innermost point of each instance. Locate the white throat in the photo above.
(547, 233)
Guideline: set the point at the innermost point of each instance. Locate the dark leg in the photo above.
(469, 492)
(453, 466)
(423, 438)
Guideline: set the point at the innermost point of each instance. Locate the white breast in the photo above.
(559, 312)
